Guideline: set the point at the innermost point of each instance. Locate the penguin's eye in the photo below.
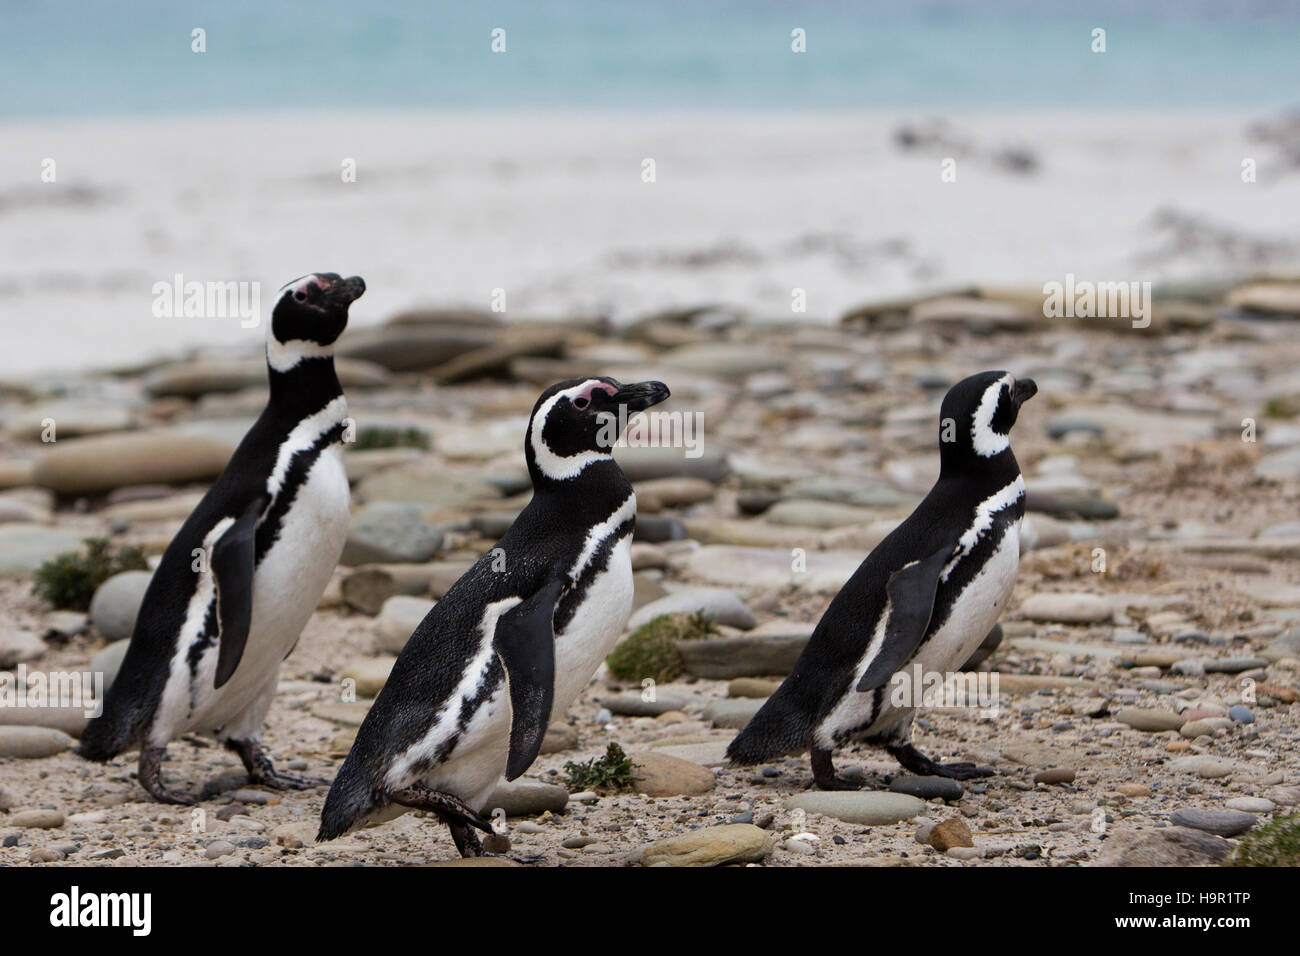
(580, 403)
(300, 296)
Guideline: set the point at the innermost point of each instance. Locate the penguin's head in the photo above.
(976, 418)
(577, 422)
(313, 311)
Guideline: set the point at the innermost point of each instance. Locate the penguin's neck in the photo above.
(985, 475)
(302, 377)
(599, 488)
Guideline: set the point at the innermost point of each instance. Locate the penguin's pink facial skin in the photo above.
(583, 398)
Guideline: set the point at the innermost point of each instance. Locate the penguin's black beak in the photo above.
(640, 395)
(1025, 389)
(345, 291)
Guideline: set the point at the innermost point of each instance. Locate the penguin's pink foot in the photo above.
(150, 774)
(262, 772)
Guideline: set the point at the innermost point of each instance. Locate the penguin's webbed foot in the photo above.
(262, 772)
(150, 774)
(284, 780)
(824, 773)
(918, 763)
(463, 835)
(963, 770)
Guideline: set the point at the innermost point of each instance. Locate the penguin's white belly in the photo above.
(479, 760)
(594, 629)
(287, 585)
(971, 617)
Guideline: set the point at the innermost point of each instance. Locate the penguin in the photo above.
(927, 595)
(237, 584)
(516, 638)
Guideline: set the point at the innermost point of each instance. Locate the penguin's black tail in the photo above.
(781, 726)
(350, 800)
(106, 736)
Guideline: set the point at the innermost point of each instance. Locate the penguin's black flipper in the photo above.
(525, 643)
(911, 591)
(232, 569)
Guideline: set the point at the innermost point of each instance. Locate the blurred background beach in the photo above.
(522, 170)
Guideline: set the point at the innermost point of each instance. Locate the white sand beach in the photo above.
(553, 209)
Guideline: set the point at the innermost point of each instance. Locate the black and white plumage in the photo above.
(244, 573)
(516, 638)
(927, 594)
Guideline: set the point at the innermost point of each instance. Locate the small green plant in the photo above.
(376, 436)
(610, 772)
(69, 580)
(1275, 844)
(651, 650)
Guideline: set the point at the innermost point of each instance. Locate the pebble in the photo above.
(44, 855)
(927, 788)
(1251, 805)
(36, 819)
(1066, 608)
(116, 604)
(1061, 775)
(732, 713)
(634, 704)
(526, 798)
(661, 775)
(18, 646)
(753, 655)
(950, 833)
(752, 687)
(708, 846)
(1224, 823)
(865, 807)
(390, 532)
(1234, 665)
(32, 742)
(1241, 714)
(218, 848)
(1151, 721)
(85, 466)
(368, 676)
(1134, 789)
(25, 547)
(397, 620)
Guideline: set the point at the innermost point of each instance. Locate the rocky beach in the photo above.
(1147, 669)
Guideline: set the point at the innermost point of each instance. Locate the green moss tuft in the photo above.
(375, 436)
(651, 650)
(1274, 844)
(610, 772)
(70, 580)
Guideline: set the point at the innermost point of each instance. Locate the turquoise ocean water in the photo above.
(83, 58)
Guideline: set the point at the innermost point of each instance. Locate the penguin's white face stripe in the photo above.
(561, 467)
(446, 720)
(624, 512)
(985, 440)
(303, 436)
(283, 356)
(984, 512)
